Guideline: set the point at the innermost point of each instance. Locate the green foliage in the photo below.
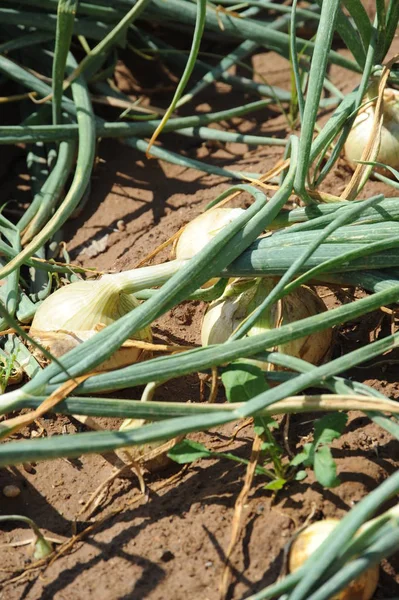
(242, 381)
(32, 27)
(188, 451)
(7, 362)
(318, 454)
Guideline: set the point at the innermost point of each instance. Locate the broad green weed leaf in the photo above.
(329, 428)
(243, 381)
(277, 484)
(188, 451)
(305, 457)
(325, 468)
(261, 423)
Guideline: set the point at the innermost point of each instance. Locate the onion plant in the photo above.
(62, 54)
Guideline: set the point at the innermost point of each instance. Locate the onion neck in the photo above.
(11, 401)
(267, 319)
(145, 277)
(250, 300)
(372, 92)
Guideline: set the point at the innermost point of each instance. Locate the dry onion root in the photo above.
(241, 297)
(360, 133)
(74, 313)
(307, 543)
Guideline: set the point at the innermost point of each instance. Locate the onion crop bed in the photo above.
(199, 278)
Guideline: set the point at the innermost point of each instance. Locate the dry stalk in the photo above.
(99, 493)
(214, 386)
(15, 424)
(237, 517)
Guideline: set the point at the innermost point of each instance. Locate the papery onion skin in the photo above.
(75, 312)
(202, 229)
(200, 232)
(226, 314)
(307, 543)
(82, 305)
(361, 130)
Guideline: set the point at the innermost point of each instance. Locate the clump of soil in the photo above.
(172, 543)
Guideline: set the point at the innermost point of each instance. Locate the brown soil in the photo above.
(172, 544)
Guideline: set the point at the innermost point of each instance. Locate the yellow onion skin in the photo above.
(307, 543)
(202, 229)
(361, 130)
(302, 303)
(226, 314)
(74, 313)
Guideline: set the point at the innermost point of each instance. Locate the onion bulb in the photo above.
(202, 229)
(137, 453)
(241, 297)
(74, 313)
(307, 543)
(360, 133)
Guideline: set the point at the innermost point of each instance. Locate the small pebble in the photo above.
(11, 491)
(28, 467)
(167, 555)
(121, 225)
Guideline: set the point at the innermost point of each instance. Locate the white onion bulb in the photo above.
(225, 315)
(137, 453)
(72, 314)
(361, 130)
(307, 543)
(202, 229)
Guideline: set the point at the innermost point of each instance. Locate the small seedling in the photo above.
(318, 453)
(189, 451)
(242, 381)
(8, 372)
